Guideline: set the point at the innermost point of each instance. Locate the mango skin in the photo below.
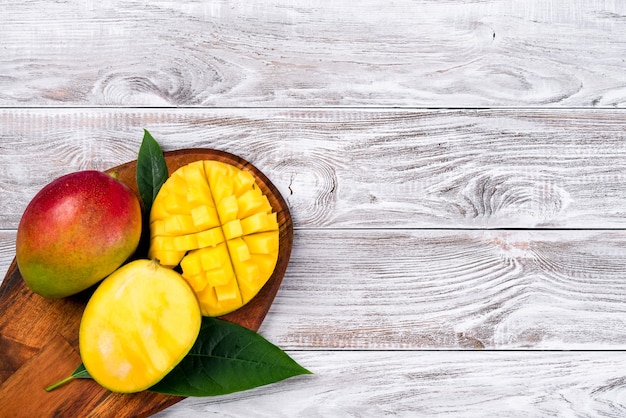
(76, 231)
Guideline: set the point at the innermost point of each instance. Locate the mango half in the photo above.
(137, 326)
(212, 219)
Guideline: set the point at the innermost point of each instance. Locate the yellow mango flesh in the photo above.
(212, 219)
(137, 326)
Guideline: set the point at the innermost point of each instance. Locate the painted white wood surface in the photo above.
(448, 260)
(452, 53)
(434, 384)
(355, 168)
(442, 289)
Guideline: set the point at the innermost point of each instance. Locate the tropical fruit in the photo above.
(137, 326)
(77, 230)
(212, 219)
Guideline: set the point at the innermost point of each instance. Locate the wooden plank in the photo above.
(438, 289)
(388, 289)
(302, 53)
(356, 168)
(7, 251)
(433, 384)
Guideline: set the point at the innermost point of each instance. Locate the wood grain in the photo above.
(438, 289)
(356, 168)
(299, 53)
(7, 250)
(434, 384)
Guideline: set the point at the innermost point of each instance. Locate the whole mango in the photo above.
(76, 231)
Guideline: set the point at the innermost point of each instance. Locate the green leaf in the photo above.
(79, 373)
(151, 170)
(227, 358)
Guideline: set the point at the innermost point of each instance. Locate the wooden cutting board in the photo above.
(39, 336)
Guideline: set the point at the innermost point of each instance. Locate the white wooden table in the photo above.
(455, 171)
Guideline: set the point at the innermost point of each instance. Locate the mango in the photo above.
(212, 219)
(76, 231)
(137, 326)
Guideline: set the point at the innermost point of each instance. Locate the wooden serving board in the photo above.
(39, 336)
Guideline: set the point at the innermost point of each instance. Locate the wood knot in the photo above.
(313, 189)
(515, 199)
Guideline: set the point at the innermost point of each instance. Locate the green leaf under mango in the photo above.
(227, 358)
(151, 170)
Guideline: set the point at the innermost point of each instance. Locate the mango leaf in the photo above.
(227, 358)
(151, 170)
(79, 373)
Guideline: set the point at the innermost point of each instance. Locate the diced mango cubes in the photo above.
(213, 220)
